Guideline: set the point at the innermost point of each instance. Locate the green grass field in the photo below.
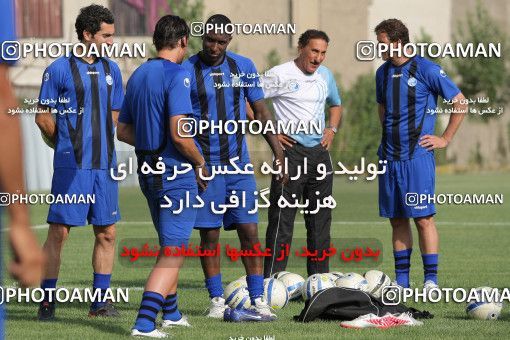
(474, 240)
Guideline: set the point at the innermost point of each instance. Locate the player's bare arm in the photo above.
(380, 111)
(46, 123)
(261, 113)
(187, 147)
(249, 112)
(335, 117)
(432, 142)
(284, 140)
(115, 117)
(28, 261)
(126, 133)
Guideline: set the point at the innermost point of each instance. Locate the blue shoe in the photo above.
(245, 315)
(226, 314)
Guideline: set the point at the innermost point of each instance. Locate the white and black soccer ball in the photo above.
(242, 279)
(353, 280)
(486, 306)
(275, 293)
(236, 295)
(336, 275)
(293, 283)
(332, 277)
(277, 275)
(377, 280)
(315, 283)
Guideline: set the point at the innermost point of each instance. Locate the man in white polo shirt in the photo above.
(300, 90)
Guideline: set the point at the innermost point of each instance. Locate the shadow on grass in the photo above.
(194, 311)
(101, 325)
(183, 283)
(135, 283)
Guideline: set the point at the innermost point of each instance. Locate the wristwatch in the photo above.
(334, 129)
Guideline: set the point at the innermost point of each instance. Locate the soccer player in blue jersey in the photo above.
(83, 133)
(406, 89)
(214, 66)
(28, 259)
(157, 98)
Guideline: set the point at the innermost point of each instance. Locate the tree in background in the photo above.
(360, 134)
(272, 59)
(483, 76)
(426, 38)
(191, 11)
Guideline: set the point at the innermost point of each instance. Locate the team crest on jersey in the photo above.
(109, 79)
(46, 76)
(412, 81)
(442, 73)
(293, 86)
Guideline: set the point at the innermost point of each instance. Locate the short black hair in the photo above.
(218, 21)
(395, 29)
(312, 34)
(90, 19)
(169, 30)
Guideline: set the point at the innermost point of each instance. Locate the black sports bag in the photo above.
(340, 303)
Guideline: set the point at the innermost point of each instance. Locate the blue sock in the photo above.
(255, 286)
(149, 308)
(170, 310)
(213, 285)
(430, 267)
(402, 266)
(101, 281)
(48, 283)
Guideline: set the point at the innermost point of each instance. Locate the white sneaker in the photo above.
(154, 334)
(182, 322)
(387, 321)
(261, 306)
(217, 308)
(433, 288)
(395, 283)
(403, 319)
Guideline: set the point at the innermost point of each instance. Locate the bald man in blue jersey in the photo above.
(212, 67)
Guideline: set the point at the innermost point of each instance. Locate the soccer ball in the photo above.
(337, 274)
(314, 284)
(352, 280)
(377, 280)
(277, 275)
(236, 295)
(333, 276)
(242, 280)
(293, 283)
(485, 308)
(275, 293)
